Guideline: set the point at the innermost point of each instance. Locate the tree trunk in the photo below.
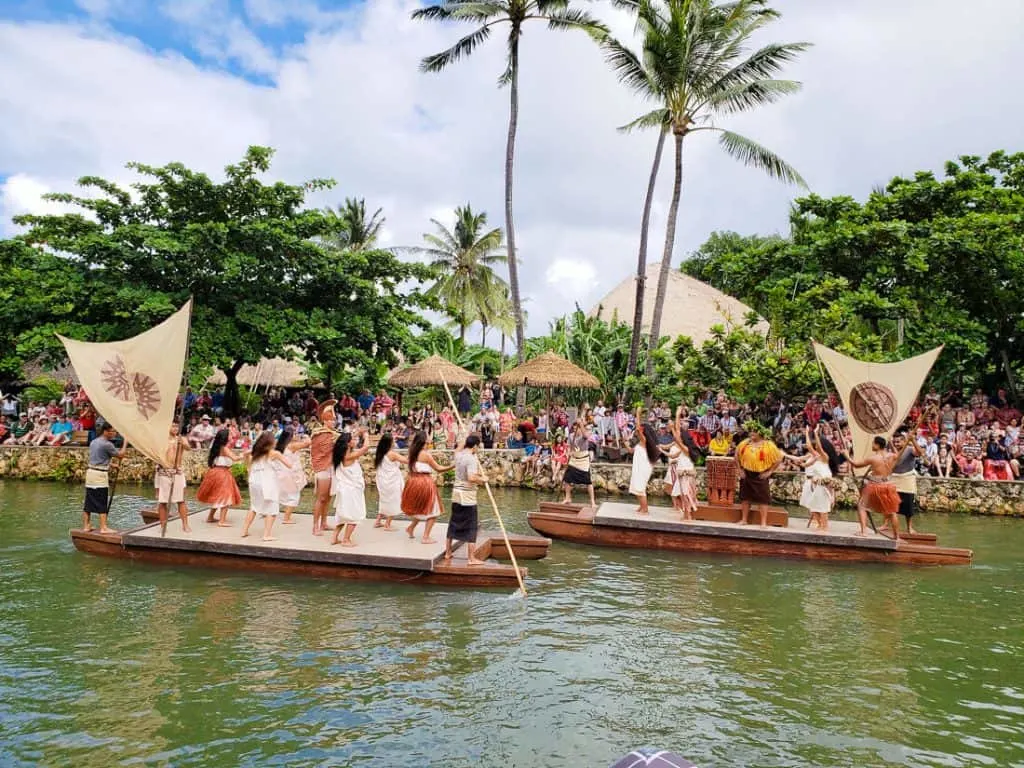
(510, 151)
(483, 334)
(666, 256)
(641, 259)
(501, 356)
(462, 333)
(231, 399)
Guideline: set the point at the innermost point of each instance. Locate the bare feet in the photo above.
(223, 525)
(378, 524)
(287, 522)
(186, 530)
(245, 534)
(210, 519)
(107, 530)
(270, 538)
(475, 561)
(347, 543)
(428, 541)
(447, 557)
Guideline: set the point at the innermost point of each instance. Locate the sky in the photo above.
(889, 88)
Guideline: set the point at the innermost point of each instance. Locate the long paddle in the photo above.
(490, 495)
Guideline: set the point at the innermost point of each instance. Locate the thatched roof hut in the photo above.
(268, 372)
(692, 307)
(549, 370)
(434, 371)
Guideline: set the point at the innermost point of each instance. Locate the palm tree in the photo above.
(354, 232)
(463, 256)
(489, 14)
(695, 63)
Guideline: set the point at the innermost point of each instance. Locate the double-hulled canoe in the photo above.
(717, 530)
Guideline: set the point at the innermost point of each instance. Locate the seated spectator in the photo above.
(5, 430)
(720, 444)
(997, 460)
(969, 467)
(201, 435)
(942, 464)
(20, 429)
(60, 431)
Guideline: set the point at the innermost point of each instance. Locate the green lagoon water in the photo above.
(732, 662)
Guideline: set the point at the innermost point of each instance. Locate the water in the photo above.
(733, 662)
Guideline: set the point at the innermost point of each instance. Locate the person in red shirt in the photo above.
(812, 412)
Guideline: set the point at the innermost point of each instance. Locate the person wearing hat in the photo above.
(202, 434)
(321, 449)
(97, 480)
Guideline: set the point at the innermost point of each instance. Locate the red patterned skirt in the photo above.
(219, 488)
(881, 497)
(419, 497)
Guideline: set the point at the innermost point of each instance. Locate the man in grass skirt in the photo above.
(578, 470)
(465, 517)
(97, 477)
(321, 447)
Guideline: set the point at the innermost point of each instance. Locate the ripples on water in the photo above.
(740, 662)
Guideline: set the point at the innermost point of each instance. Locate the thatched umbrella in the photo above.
(434, 371)
(546, 371)
(269, 372)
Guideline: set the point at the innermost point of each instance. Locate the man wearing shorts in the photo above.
(321, 448)
(170, 480)
(97, 480)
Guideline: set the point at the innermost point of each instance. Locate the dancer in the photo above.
(757, 459)
(219, 488)
(419, 497)
(904, 476)
(170, 480)
(290, 480)
(349, 485)
(682, 475)
(264, 494)
(817, 496)
(878, 492)
(465, 517)
(389, 482)
(321, 447)
(645, 453)
(578, 471)
(97, 482)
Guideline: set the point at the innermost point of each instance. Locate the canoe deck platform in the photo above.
(618, 524)
(379, 554)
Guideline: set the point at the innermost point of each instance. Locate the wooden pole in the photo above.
(490, 495)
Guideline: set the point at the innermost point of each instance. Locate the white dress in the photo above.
(290, 482)
(816, 495)
(350, 487)
(641, 471)
(389, 487)
(684, 472)
(264, 494)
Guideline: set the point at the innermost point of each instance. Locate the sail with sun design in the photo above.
(134, 383)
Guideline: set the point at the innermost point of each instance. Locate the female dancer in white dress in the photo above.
(645, 453)
(389, 481)
(264, 494)
(817, 496)
(349, 486)
(290, 480)
(682, 472)
(419, 497)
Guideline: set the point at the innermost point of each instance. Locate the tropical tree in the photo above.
(489, 15)
(463, 256)
(352, 230)
(695, 63)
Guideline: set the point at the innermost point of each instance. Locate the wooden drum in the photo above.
(721, 474)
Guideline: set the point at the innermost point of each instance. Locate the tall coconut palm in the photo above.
(464, 257)
(355, 232)
(696, 63)
(488, 15)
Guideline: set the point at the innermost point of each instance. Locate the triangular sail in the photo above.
(134, 383)
(877, 396)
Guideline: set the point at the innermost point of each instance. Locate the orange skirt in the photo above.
(219, 488)
(419, 497)
(881, 497)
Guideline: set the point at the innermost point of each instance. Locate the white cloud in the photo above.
(884, 94)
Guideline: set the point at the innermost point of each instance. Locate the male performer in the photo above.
(170, 480)
(320, 449)
(757, 459)
(97, 480)
(904, 476)
(878, 493)
(464, 521)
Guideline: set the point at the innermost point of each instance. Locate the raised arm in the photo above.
(398, 458)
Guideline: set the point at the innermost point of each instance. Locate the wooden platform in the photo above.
(379, 555)
(618, 525)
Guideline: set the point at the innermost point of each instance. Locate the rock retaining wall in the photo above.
(505, 468)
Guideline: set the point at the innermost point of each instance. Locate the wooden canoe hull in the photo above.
(580, 528)
(457, 574)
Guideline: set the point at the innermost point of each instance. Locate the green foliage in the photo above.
(43, 389)
(248, 400)
(351, 229)
(241, 474)
(252, 256)
(941, 261)
(64, 470)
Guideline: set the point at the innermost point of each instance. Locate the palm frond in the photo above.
(656, 118)
(750, 153)
(750, 95)
(628, 68)
(576, 18)
(463, 47)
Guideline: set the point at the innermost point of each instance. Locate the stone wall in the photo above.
(505, 468)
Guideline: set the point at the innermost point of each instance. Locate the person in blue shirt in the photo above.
(61, 430)
(365, 400)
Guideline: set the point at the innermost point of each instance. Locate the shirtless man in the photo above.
(170, 480)
(321, 447)
(878, 492)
